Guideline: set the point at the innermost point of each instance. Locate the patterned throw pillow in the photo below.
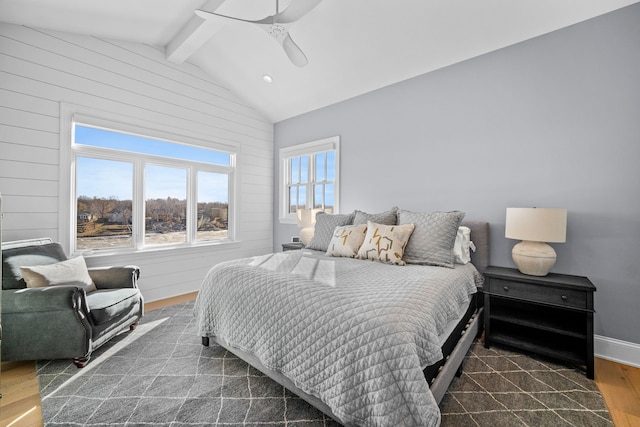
(325, 224)
(385, 243)
(347, 240)
(432, 240)
(389, 217)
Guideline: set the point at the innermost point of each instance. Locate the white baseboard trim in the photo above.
(624, 352)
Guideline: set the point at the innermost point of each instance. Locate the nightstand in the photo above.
(292, 246)
(551, 315)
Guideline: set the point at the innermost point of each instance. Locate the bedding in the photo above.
(389, 217)
(356, 334)
(347, 240)
(323, 230)
(385, 243)
(463, 246)
(71, 271)
(433, 237)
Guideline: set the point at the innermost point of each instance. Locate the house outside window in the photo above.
(309, 178)
(133, 192)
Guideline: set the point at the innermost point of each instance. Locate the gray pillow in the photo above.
(386, 218)
(325, 224)
(433, 237)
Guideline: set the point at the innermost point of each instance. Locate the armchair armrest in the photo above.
(45, 299)
(51, 322)
(115, 277)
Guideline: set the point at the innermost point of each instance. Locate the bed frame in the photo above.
(469, 328)
(455, 348)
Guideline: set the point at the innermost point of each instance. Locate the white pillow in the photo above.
(385, 243)
(70, 272)
(346, 240)
(462, 245)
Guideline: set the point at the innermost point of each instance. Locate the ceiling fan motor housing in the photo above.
(278, 32)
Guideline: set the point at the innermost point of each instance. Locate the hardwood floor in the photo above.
(20, 403)
(620, 387)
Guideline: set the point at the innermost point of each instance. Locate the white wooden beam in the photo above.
(194, 34)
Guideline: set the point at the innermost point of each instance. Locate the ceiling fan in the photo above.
(278, 25)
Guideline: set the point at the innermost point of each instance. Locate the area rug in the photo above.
(160, 375)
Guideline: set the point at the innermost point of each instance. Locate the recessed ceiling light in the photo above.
(267, 78)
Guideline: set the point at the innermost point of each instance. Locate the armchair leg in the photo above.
(133, 326)
(81, 362)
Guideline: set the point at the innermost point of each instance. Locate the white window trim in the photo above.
(70, 114)
(308, 148)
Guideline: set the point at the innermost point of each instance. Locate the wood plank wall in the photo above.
(39, 69)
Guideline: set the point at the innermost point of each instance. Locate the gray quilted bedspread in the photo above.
(354, 333)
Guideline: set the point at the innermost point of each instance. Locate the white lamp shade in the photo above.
(536, 224)
(306, 222)
(307, 217)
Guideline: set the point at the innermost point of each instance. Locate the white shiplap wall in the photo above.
(41, 69)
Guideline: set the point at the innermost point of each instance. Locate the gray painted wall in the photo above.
(550, 122)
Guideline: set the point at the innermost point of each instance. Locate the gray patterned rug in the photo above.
(503, 388)
(160, 375)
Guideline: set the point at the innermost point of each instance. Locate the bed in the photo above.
(367, 343)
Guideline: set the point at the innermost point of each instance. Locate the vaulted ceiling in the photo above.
(352, 46)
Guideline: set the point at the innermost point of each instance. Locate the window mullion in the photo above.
(312, 178)
(138, 220)
(192, 204)
(326, 167)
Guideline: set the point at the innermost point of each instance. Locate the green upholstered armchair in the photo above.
(63, 320)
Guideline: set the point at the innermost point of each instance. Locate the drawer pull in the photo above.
(506, 289)
(564, 298)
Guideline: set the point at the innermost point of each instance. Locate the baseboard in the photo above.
(619, 351)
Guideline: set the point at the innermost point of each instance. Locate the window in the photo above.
(133, 192)
(309, 178)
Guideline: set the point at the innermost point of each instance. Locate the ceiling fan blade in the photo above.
(296, 10)
(278, 30)
(208, 15)
(294, 53)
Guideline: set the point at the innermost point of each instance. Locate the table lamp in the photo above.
(306, 222)
(535, 227)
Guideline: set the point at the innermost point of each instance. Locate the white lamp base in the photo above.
(534, 258)
(306, 234)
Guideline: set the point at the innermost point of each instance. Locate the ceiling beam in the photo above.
(196, 32)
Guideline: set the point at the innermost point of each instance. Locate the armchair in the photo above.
(63, 320)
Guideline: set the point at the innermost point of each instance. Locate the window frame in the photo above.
(69, 152)
(306, 149)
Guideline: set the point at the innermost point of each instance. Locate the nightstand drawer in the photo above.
(538, 293)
